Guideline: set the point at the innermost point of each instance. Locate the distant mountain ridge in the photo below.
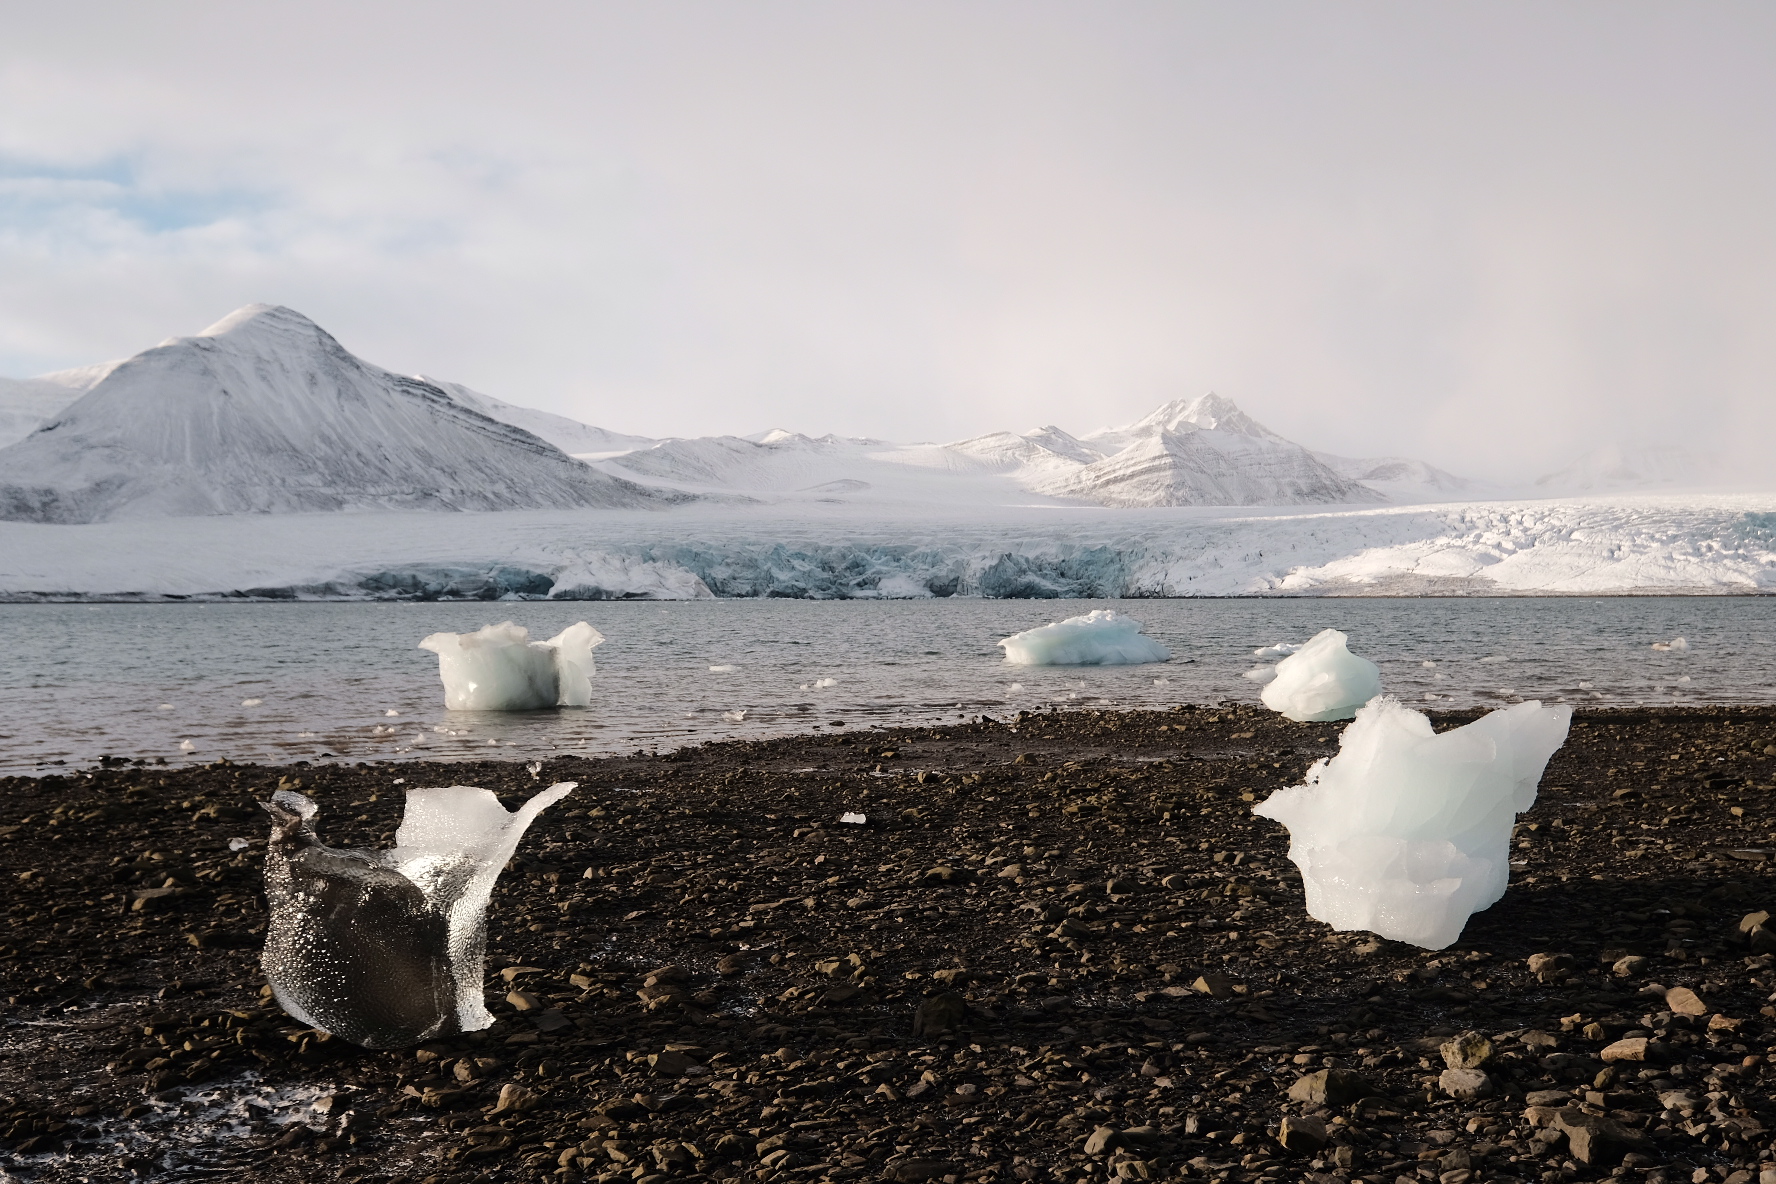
(264, 412)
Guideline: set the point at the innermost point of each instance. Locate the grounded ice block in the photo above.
(385, 948)
(1102, 637)
(1321, 681)
(498, 668)
(1406, 832)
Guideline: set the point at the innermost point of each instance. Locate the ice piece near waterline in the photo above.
(1281, 649)
(498, 668)
(1406, 832)
(1676, 644)
(1102, 637)
(1261, 674)
(1322, 681)
(385, 948)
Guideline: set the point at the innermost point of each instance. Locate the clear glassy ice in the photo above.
(385, 948)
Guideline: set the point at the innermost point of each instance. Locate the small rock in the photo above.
(1552, 1098)
(1470, 1050)
(513, 1098)
(1551, 968)
(523, 1000)
(1683, 1001)
(912, 1171)
(1215, 986)
(1629, 966)
(1329, 1087)
(671, 1063)
(731, 965)
(939, 1015)
(1466, 1085)
(1594, 1139)
(1102, 1141)
(512, 972)
(1301, 1134)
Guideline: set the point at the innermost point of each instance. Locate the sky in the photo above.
(1491, 235)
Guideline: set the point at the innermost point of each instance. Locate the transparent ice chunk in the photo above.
(498, 668)
(1321, 681)
(1406, 832)
(1102, 637)
(385, 948)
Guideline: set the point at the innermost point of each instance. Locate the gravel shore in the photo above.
(1059, 949)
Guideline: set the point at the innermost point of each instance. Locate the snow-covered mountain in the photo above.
(570, 435)
(1205, 452)
(1617, 466)
(264, 412)
(26, 404)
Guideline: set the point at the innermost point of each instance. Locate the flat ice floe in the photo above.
(1321, 681)
(1102, 637)
(1406, 832)
(498, 668)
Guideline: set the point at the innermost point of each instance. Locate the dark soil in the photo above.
(1060, 949)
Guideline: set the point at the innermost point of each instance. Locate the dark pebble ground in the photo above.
(1061, 949)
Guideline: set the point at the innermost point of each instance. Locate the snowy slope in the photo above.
(26, 404)
(1591, 546)
(1208, 467)
(569, 435)
(263, 412)
(1619, 466)
(1400, 479)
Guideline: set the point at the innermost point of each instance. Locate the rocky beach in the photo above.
(1058, 947)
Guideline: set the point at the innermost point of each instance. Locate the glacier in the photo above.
(1406, 832)
(1579, 546)
(1102, 637)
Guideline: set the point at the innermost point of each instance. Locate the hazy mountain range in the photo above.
(264, 412)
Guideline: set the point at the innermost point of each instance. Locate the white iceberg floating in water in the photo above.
(498, 668)
(385, 948)
(1676, 645)
(1406, 832)
(1102, 637)
(1281, 649)
(1321, 681)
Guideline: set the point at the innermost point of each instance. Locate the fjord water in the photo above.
(136, 680)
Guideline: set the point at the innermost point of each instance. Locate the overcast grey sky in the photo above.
(1489, 234)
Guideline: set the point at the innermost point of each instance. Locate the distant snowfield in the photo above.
(837, 548)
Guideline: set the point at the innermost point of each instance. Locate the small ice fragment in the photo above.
(1675, 644)
(1281, 649)
(1507, 690)
(826, 682)
(853, 819)
(307, 735)
(1101, 637)
(723, 669)
(1261, 674)
(734, 717)
(1685, 678)
(1016, 686)
(493, 742)
(535, 769)
(385, 948)
(498, 668)
(251, 702)
(391, 711)
(1428, 665)
(239, 844)
(802, 687)
(1162, 682)
(1322, 681)
(1495, 658)
(1584, 686)
(1406, 832)
(164, 707)
(187, 746)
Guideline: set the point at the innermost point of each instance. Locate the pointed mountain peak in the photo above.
(256, 318)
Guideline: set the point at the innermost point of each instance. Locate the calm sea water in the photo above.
(346, 681)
